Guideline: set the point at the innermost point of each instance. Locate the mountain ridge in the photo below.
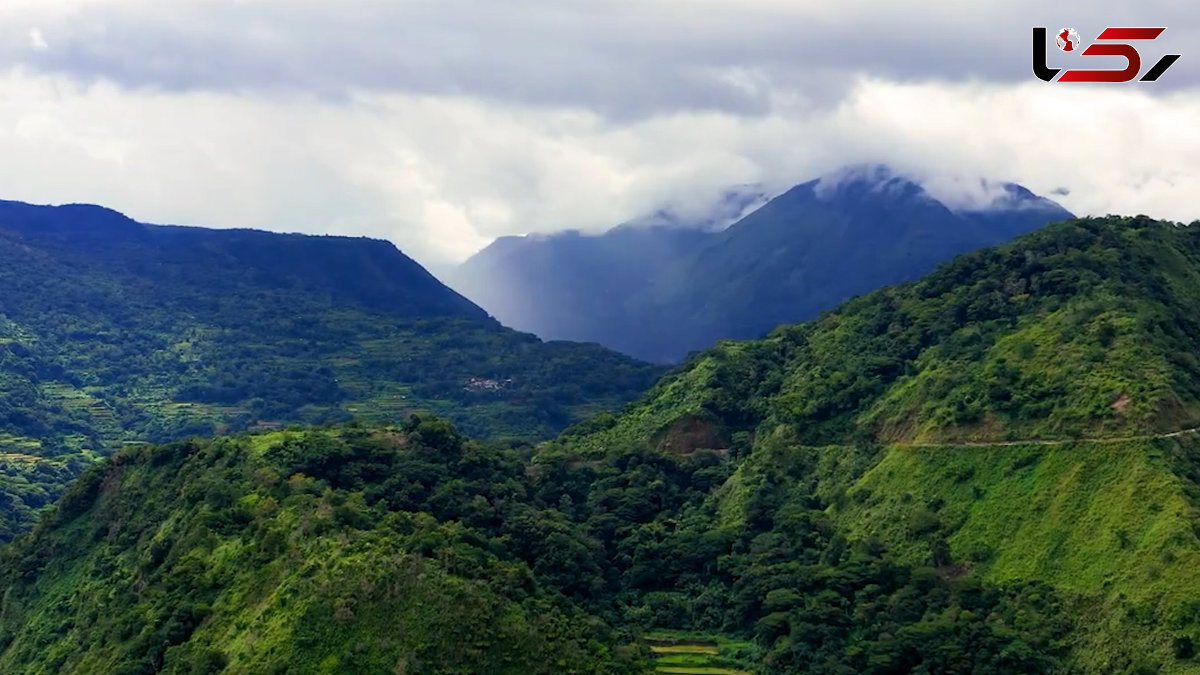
(112, 332)
(70, 225)
(664, 294)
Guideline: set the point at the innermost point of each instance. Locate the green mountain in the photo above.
(113, 331)
(351, 551)
(659, 291)
(1023, 415)
(990, 470)
(1083, 329)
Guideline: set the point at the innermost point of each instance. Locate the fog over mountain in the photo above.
(657, 291)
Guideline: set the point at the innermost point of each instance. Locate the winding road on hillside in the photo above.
(1071, 441)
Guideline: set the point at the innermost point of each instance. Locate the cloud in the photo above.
(37, 40)
(623, 60)
(441, 129)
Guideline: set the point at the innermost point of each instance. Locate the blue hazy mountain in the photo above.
(658, 288)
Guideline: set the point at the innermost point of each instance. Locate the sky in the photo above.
(442, 124)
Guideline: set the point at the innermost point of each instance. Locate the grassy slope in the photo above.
(1113, 526)
(1110, 523)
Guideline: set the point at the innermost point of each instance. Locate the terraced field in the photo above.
(699, 654)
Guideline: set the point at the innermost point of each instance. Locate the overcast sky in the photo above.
(441, 124)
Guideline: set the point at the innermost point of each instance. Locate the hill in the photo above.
(113, 331)
(410, 549)
(368, 551)
(1083, 329)
(768, 507)
(659, 292)
(1024, 414)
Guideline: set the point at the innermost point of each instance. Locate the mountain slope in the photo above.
(812, 248)
(1086, 328)
(412, 550)
(1024, 414)
(113, 331)
(219, 556)
(660, 293)
(575, 286)
(1111, 526)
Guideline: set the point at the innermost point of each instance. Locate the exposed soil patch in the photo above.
(1121, 403)
(689, 434)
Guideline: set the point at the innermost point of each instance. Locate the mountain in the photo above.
(112, 331)
(575, 286)
(1024, 414)
(664, 293)
(993, 469)
(365, 272)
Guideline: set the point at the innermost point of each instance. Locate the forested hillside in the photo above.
(990, 470)
(946, 423)
(1084, 329)
(310, 552)
(413, 550)
(113, 332)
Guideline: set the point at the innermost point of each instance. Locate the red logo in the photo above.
(1068, 41)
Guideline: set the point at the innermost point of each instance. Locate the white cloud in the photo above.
(442, 129)
(37, 40)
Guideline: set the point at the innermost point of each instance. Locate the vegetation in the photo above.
(413, 549)
(832, 499)
(114, 332)
(1084, 329)
(299, 552)
(1111, 525)
(893, 426)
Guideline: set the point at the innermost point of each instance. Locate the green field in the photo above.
(699, 654)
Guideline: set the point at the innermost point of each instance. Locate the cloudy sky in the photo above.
(441, 124)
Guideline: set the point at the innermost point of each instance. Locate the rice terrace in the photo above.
(696, 654)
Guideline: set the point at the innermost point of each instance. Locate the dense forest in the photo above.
(413, 549)
(990, 470)
(114, 332)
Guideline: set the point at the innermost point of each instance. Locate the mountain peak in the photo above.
(958, 193)
(858, 181)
